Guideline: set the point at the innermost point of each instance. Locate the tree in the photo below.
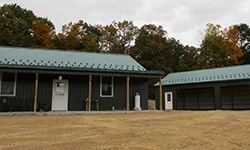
(175, 55)
(43, 33)
(78, 36)
(191, 58)
(20, 27)
(15, 25)
(150, 48)
(243, 36)
(118, 37)
(219, 48)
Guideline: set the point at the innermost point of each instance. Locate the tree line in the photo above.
(149, 44)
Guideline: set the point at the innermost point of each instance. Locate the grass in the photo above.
(142, 131)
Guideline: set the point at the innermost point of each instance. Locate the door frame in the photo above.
(166, 101)
(67, 90)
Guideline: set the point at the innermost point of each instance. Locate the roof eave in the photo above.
(147, 73)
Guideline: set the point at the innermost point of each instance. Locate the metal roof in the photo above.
(13, 57)
(207, 75)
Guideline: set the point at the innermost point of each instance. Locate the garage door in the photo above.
(196, 99)
(235, 97)
(206, 98)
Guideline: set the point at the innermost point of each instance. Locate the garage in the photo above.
(226, 88)
(235, 97)
(196, 99)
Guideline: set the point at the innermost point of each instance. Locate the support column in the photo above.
(36, 89)
(160, 96)
(127, 93)
(217, 97)
(90, 92)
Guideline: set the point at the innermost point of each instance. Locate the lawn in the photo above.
(142, 131)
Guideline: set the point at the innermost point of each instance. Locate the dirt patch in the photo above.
(143, 131)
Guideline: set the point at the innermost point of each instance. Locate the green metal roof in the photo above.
(13, 57)
(207, 75)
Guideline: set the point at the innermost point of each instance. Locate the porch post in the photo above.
(128, 93)
(160, 93)
(36, 89)
(90, 92)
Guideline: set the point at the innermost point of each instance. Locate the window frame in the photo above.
(112, 91)
(6, 95)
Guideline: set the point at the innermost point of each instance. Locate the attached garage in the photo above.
(209, 89)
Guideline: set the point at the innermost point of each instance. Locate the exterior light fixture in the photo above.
(60, 78)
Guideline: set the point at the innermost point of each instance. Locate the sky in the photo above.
(184, 20)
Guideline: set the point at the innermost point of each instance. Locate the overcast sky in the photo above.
(182, 19)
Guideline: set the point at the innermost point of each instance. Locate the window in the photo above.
(7, 84)
(60, 88)
(169, 97)
(106, 86)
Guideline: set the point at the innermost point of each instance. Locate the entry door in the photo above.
(168, 100)
(60, 95)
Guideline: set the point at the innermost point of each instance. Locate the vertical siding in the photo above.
(23, 101)
(44, 95)
(78, 93)
(139, 85)
(206, 98)
(118, 101)
(235, 97)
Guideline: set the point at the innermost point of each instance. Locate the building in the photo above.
(220, 88)
(38, 79)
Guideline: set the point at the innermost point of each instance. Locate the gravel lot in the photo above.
(142, 131)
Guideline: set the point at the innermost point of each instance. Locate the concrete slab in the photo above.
(73, 113)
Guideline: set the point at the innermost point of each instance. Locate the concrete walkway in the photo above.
(73, 113)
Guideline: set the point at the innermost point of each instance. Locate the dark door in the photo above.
(190, 99)
(206, 98)
(196, 99)
(235, 97)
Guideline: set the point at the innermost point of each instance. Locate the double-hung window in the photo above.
(7, 84)
(106, 87)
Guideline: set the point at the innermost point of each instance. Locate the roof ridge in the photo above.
(209, 69)
(62, 50)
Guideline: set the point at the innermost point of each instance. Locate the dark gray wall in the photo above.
(24, 95)
(78, 93)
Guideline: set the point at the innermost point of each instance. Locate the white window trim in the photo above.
(112, 92)
(1, 75)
